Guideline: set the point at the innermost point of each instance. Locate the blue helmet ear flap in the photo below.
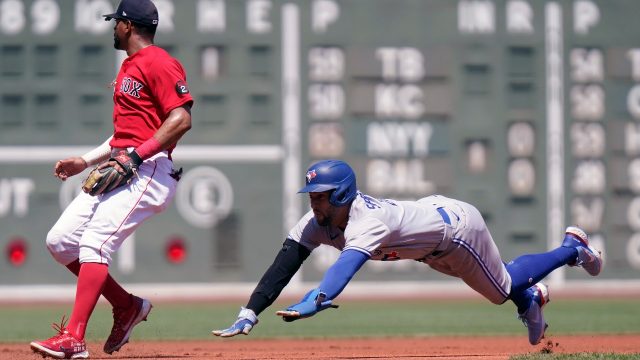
(333, 175)
(345, 192)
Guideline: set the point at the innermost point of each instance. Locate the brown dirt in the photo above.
(441, 348)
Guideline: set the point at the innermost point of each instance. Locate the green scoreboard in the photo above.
(527, 109)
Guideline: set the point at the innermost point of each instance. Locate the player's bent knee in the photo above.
(61, 247)
(498, 301)
(55, 241)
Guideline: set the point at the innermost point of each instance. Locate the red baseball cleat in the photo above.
(124, 319)
(61, 346)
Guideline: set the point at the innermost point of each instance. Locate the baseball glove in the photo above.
(115, 172)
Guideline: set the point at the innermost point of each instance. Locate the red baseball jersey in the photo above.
(149, 85)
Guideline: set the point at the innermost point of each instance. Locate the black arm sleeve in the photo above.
(285, 265)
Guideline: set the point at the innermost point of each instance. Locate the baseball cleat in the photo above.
(588, 258)
(61, 346)
(532, 318)
(124, 319)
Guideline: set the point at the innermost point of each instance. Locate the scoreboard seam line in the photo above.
(185, 153)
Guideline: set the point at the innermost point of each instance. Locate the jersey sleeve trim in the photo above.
(185, 101)
(306, 246)
(359, 249)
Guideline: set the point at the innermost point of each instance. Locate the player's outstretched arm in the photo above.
(334, 281)
(285, 265)
(313, 302)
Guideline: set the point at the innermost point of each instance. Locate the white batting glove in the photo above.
(243, 325)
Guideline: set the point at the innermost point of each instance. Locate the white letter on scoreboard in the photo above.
(211, 16)
(633, 170)
(397, 139)
(633, 251)
(476, 17)
(166, 12)
(519, 17)
(88, 16)
(406, 101)
(324, 13)
(633, 214)
(634, 57)
(258, 16)
(633, 102)
(632, 139)
(585, 16)
(18, 189)
(400, 176)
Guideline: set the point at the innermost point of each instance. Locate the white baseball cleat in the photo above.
(589, 258)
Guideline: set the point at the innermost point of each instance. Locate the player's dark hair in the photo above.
(145, 30)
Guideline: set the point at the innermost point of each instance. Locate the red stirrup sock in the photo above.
(91, 280)
(112, 291)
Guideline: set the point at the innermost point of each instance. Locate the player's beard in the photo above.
(322, 219)
(116, 41)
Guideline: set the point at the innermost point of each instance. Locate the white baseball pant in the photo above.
(92, 228)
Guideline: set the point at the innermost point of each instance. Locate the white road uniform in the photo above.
(447, 234)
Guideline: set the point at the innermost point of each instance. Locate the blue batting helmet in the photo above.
(332, 175)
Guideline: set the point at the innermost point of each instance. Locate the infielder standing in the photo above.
(152, 111)
(449, 235)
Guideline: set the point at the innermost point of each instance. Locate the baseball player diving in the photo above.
(134, 180)
(447, 234)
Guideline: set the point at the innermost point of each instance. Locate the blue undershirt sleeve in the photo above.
(341, 272)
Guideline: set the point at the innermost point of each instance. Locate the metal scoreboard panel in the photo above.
(210, 215)
(527, 109)
(56, 65)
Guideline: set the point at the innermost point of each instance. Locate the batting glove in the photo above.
(246, 320)
(313, 302)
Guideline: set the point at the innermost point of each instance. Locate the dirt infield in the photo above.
(441, 348)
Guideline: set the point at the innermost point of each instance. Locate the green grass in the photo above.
(353, 319)
(581, 356)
